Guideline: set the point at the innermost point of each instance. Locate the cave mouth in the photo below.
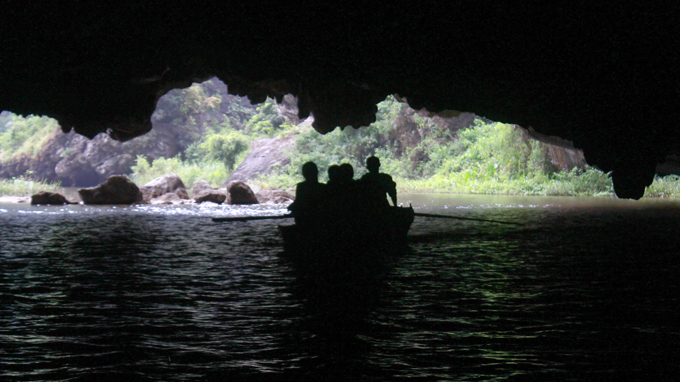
(208, 108)
(405, 137)
(175, 123)
(609, 87)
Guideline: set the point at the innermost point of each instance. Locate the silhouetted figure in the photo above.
(333, 175)
(376, 184)
(346, 174)
(342, 198)
(308, 205)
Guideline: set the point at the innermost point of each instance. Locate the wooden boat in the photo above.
(357, 245)
(354, 246)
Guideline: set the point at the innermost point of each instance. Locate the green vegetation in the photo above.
(214, 130)
(664, 187)
(267, 122)
(23, 186)
(190, 172)
(590, 182)
(19, 135)
(219, 144)
(215, 135)
(486, 158)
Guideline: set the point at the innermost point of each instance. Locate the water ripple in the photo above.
(163, 293)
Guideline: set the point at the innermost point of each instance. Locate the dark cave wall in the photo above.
(603, 75)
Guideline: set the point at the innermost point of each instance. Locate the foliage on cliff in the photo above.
(210, 133)
(19, 135)
(431, 156)
(217, 129)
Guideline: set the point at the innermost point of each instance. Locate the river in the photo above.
(584, 289)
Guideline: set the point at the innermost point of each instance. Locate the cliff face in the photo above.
(75, 160)
(182, 117)
(602, 75)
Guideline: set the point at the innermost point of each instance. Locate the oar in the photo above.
(246, 218)
(459, 218)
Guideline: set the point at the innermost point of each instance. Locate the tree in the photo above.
(224, 146)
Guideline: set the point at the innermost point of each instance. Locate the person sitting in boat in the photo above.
(346, 176)
(376, 184)
(333, 176)
(341, 192)
(308, 205)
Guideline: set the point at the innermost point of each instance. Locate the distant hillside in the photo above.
(204, 124)
(36, 147)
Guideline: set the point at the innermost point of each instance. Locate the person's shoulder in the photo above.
(367, 176)
(304, 185)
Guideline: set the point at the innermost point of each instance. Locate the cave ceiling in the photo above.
(601, 75)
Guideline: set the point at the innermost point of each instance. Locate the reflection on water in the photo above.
(586, 289)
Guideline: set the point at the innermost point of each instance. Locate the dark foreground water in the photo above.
(586, 290)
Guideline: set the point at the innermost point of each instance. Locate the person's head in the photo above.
(346, 171)
(310, 171)
(373, 164)
(333, 173)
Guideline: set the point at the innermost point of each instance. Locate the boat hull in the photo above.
(348, 248)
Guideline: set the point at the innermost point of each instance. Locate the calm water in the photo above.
(586, 289)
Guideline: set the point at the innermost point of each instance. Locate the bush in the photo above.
(24, 186)
(663, 187)
(224, 147)
(212, 172)
(19, 135)
(267, 122)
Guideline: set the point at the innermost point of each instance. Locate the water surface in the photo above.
(585, 289)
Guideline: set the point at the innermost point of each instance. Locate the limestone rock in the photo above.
(240, 193)
(166, 184)
(265, 154)
(167, 198)
(288, 109)
(45, 197)
(115, 190)
(274, 196)
(202, 192)
(200, 186)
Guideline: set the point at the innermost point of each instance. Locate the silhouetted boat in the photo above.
(351, 247)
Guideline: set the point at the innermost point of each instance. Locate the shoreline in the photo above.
(10, 199)
(15, 199)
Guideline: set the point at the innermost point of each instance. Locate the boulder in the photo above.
(202, 192)
(117, 189)
(45, 197)
(240, 193)
(265, 155)
(168, 198)
(274, 196)
(166, 184)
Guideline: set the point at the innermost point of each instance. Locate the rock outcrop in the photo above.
(202, 192)
(75, 160)
(240, 193)
(47, 198)
(170, 183)
(115, 190)
(288, 109)
(265, 155)
(274, 196)
(168, 198)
